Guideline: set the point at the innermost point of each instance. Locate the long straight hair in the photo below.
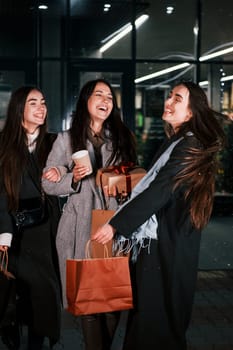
(13, 145)
(200, 164)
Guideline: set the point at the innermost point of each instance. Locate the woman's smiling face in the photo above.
(100, 103)
(176, 107)
(35, 111)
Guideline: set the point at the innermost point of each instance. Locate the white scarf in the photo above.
(148, 230)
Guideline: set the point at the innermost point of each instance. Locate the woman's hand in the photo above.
(79, 172)
(52, 175)
(3, 248)
(109, 193)
(104, 234)
(120, 197)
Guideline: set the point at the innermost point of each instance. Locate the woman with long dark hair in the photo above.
(96, 126)
(28, 219)
(163, 220)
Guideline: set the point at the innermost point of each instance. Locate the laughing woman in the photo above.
(97, 127)
(164, 218)
(28, 219)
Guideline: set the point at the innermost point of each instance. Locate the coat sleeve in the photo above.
(60, 157)
(154, 198)
(6, 223)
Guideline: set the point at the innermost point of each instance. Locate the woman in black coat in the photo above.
(29, 237)
(163, 221)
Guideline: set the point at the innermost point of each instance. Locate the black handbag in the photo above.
(31, 212)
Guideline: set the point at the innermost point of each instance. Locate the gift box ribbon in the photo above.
(121, 169)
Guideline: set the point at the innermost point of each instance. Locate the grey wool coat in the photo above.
(75, 223)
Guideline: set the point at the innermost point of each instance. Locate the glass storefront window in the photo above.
(51, 23)
(169, 31)
(17, 30)
(94, 23)
(216, 34)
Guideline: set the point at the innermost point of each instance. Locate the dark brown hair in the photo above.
(123, 141)
(200, 164)
(13, 145)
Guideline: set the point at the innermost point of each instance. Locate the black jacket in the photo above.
(32, 256)
(165, 273)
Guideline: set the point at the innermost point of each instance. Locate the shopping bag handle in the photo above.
(88, 250)
(4, 264)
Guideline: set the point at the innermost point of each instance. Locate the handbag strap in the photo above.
(4, 264)
(88, 250)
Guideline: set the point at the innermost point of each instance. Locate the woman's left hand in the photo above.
(104, 234)
(52, 175)
(3, 248)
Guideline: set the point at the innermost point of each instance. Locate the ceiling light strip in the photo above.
(229, 77)
(116, 38)
(162, 72)
(183, 65)
(206, 82)
(123, 32)
(216, 54)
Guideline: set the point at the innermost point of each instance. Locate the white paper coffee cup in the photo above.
(82, 158)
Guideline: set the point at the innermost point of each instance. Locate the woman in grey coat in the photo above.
(96, 126)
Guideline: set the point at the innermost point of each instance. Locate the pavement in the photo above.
(211, 326)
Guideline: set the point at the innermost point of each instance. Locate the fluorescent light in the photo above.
(169, 10)
(42, 7)
(122, 32)
(140, 20)
(216, 54)
(116, 38)
(183, 65)
(107, 7)
(162, 72)
(229, 77)
(205, 82)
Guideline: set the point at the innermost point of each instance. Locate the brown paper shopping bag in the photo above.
(98, 285)
(99, 218)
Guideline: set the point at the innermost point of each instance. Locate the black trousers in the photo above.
(99, 330)
(35, 342)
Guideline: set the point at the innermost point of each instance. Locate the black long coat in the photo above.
(164, 276)
(32, 257)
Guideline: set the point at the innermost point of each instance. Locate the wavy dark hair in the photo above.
(123, 140)
(199, 173)
(13, 145)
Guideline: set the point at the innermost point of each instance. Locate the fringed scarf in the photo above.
(148, 230)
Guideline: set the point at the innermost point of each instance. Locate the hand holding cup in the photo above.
(82, 166)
